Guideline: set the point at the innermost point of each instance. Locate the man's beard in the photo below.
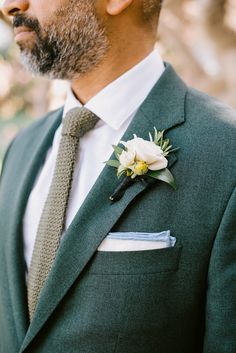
(70, 44)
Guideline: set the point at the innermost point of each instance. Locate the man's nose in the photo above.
(12, 7)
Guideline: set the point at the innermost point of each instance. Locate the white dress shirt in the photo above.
(116, 106)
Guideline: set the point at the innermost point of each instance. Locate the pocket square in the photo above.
(136, 241)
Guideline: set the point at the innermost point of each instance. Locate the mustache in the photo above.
(20, 20)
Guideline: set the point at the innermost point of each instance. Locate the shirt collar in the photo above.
(115, 103)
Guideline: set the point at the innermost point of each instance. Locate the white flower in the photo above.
(147, 152)
(142, 158)
(127, 158)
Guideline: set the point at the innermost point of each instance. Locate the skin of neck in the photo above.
(130, 39)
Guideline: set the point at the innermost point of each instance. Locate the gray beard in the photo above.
(71, 45)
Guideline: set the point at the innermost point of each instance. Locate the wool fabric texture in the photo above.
(76, 123)
(180, 299)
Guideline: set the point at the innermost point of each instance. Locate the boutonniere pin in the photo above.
(139, 159)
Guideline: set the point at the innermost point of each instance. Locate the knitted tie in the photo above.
(76, 123)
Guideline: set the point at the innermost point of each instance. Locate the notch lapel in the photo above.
(164, 109)
(33, 157)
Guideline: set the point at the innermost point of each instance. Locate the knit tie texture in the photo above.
(76, 123)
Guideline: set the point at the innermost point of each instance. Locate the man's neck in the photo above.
(113, 66)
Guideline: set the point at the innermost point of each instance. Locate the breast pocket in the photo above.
(126, 293)
(137, 262)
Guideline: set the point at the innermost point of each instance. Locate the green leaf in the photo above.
(113, 163)
(155, 135)
(121, 170)
(118, 150)
(167, 151)
(168, 148)
(165, 144)
(161, 139)
(120, 174)
(163, 175)
(158, 136)
(174, 149)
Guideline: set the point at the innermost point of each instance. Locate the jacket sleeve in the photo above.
(220, 325)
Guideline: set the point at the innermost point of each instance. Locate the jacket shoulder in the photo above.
(38, 125)
(210, 132)
(209, 111)
(28, 138)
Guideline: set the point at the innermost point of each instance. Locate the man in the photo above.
(82, 273)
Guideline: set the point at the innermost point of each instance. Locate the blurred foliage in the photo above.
(197, 36)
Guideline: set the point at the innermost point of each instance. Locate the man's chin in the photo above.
(36, 66)
(26, 40)
(29, 62)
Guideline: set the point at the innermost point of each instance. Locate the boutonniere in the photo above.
(139, 159)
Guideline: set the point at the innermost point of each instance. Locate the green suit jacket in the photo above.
(174, 300)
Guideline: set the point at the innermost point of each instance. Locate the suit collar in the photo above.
(164, 109)
(165, 105)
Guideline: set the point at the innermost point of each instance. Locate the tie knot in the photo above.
(78, 121)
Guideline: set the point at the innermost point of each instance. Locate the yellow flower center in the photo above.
(140, 168)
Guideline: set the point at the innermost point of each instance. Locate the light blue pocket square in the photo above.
(162, 236)
(135, 241)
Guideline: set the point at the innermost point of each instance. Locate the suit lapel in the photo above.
(164, 109)
(33, 157)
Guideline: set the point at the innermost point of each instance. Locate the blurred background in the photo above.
(198, 37)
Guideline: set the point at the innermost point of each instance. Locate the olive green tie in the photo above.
(76, 123)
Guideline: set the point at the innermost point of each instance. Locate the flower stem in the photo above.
(121, 188)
